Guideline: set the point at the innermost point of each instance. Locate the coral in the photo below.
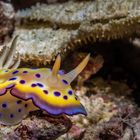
(58, 28)
(6, 22)
(77, 13)
(39, 45)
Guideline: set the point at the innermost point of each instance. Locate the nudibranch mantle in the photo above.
(24, 89)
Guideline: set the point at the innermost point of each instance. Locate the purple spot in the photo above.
(11, 115)
(14, 78)
(45, 91)
(61, 72)
(56, 93)
(70, 92)
(38, 75)
(65, 82)
(15, 72)
(6, 71)
(22, 81)
(4, 105)
(19, 110)
(0, 114)
(65, 97)
(33, 85)
(25, 105)
(25, 71)
(19, 102)
(39, 84)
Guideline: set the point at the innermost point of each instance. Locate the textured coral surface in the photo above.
(60, 27)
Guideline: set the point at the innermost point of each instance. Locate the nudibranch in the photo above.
(25, 89)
